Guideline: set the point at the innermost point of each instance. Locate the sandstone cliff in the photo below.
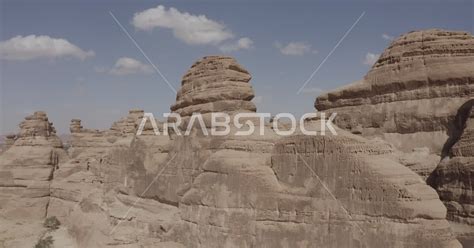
(414, 98)
(411, 93)
(116, 189)
(26, 170)
(454, 176)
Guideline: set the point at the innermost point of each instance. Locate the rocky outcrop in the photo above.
(8, 141)
(411, 93)
(300, 191)
(97, 194)
(75, 126)
(129, 124)
(115, 188)
(412, 98)
(454, 176)
(26, 170)
(214, 84)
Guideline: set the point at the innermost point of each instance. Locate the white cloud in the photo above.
(192, 29)
(387, 37)
(126, 66)
(242, 43)
(294, 48)
(371, 58)
(33, 47)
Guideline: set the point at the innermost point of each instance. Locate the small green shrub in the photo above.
(45, 242)
(52, 223)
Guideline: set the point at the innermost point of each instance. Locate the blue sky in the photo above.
(99, 74)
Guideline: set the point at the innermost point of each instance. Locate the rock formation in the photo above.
(454, 176)
(26, 170)
(128, 125)
(412, 98)
(116, 188)
(214, 84)
(411, 93)
(75, 126)
(8, 141)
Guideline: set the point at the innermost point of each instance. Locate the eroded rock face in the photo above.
(8, 142)
(26, 170)
(267, 191)
(411, 93)
(273, 193)
(215, 84)
(122, 190)
(97, 193)
(454, 177)
(412, 98)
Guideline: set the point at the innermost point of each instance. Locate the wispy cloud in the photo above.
(242, 43)
(294, 48)
(192, 29)
(387, 37)
(34, 47)
(371, 58)
(126, 66)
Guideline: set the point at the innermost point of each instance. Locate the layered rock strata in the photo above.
(129, 124)
(454, 176)
(411, 93)
(300, 191)
(214, 84)
(97, 194)
(116, 189)
(412, 98)
(26, 170)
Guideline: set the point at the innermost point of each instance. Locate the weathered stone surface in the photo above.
(116, 189)
(215, 84)
(412, 98)
(454, 176)
(26, 169)
(97, 194)
(260, 191)
(412, 92)
(8, 141)
(420, 160)
(129, 124)
(276, 197)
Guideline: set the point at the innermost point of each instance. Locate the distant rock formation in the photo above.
(75, 126)
(26, 170)
(413, 98)
(129, 124)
